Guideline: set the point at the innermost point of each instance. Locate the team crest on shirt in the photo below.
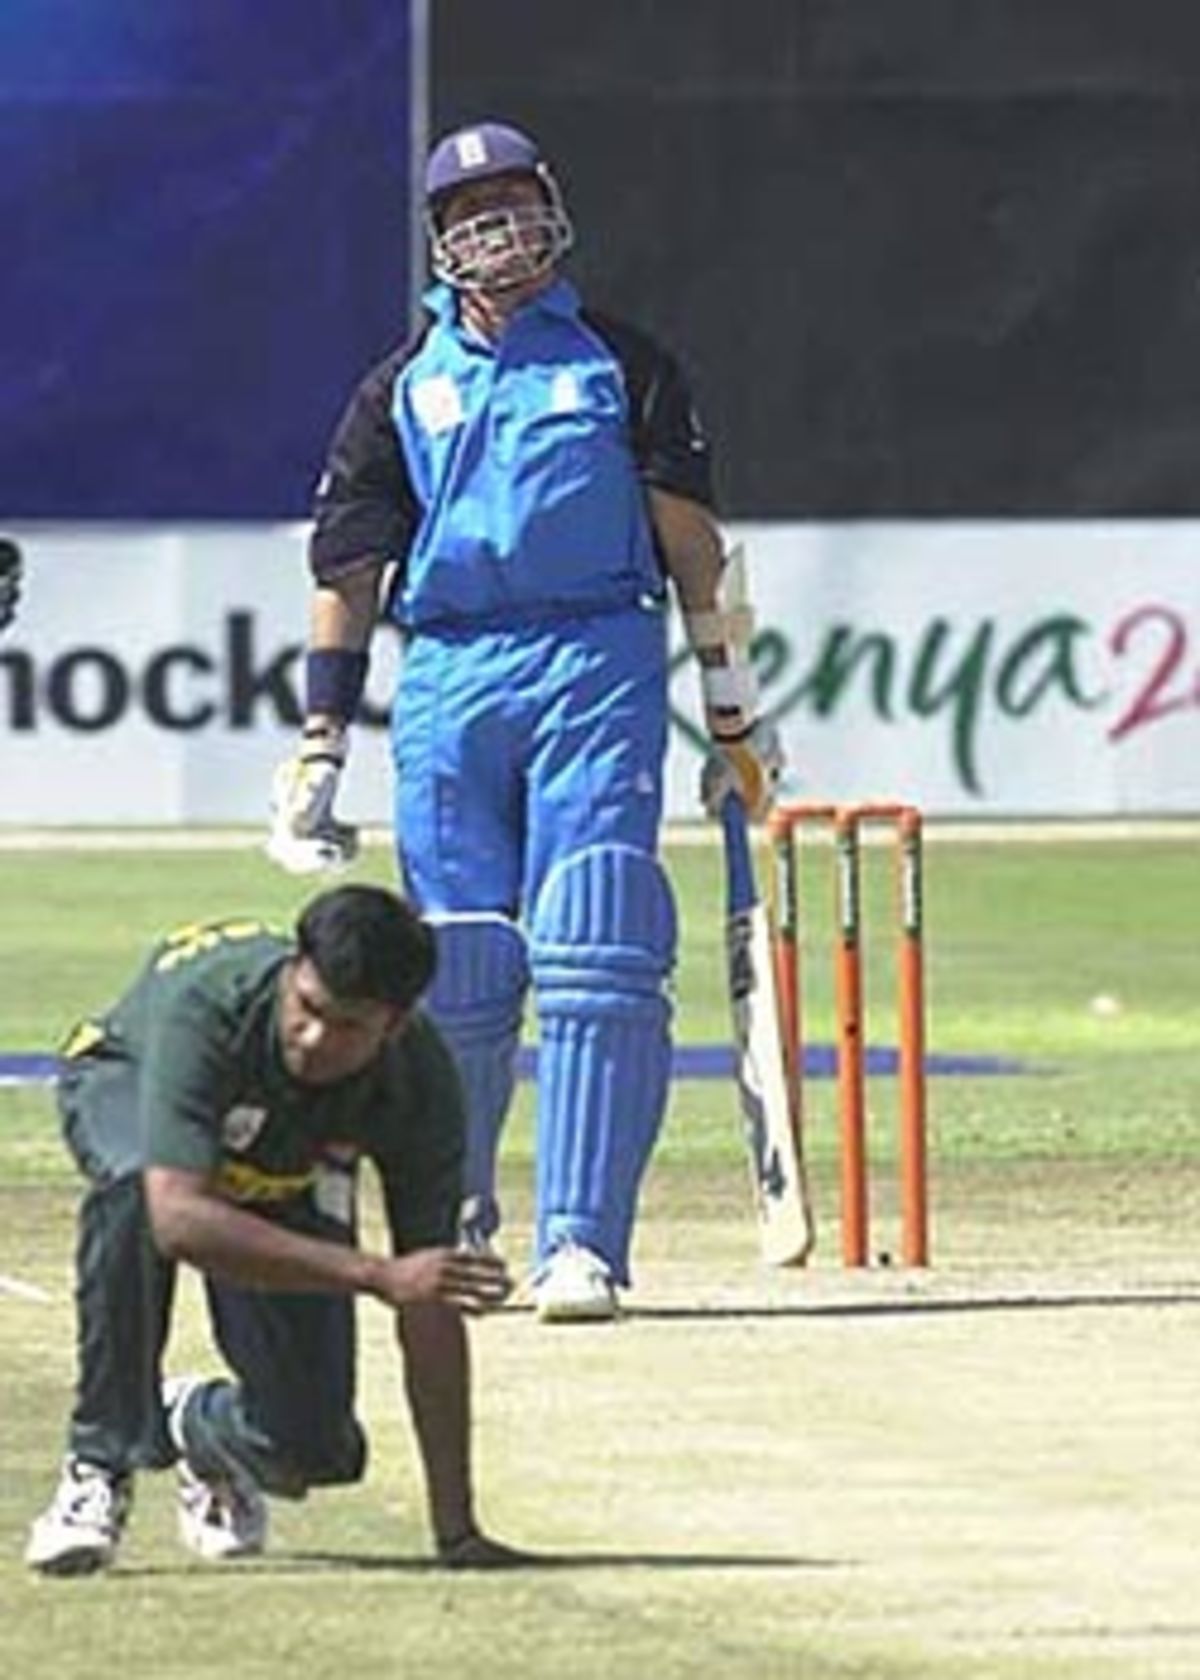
(564, 393)
(437, 402)
(241, 1126)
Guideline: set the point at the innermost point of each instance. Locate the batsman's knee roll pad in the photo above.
(478, 991)
(477, 998)
(604, 924)
(603, 943)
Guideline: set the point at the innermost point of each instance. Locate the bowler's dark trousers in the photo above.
(288, 1419)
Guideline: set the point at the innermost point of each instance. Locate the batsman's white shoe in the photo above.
(575, 1287)
(80, 1530)
(219, 1520)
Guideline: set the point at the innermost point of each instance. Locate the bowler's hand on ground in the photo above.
(465, 1278)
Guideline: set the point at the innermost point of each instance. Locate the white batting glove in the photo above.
(306, 838)
(749, 765)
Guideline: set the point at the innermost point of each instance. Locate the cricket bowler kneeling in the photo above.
(218, 1111)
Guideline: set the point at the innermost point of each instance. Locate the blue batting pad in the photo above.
(477, 998)
(603, 940)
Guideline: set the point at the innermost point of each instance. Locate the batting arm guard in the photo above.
(747, 757)
(720, 638)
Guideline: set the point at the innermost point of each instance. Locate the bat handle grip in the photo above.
(739, 863)
(733, 816)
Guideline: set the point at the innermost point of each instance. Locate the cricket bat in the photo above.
(770, 1117)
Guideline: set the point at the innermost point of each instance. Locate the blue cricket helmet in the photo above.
(501, 246)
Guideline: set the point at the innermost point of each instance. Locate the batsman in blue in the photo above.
(519, 487)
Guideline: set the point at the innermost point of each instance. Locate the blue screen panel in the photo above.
(208, 217)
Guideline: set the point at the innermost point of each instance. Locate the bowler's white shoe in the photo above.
(219, 1520)
(575, 1287)
(176, 1392)
(81, 1528)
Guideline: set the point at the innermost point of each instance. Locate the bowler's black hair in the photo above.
(367, 943)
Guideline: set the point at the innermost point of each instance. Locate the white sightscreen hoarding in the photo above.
(985, 668)
(978, 669)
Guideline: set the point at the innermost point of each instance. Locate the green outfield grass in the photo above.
(812, 1474)
(1023, 944)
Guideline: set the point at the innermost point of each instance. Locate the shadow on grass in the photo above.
(1074, 1302)
(307, 1562)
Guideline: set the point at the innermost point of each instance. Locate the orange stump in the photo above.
(787, 824)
